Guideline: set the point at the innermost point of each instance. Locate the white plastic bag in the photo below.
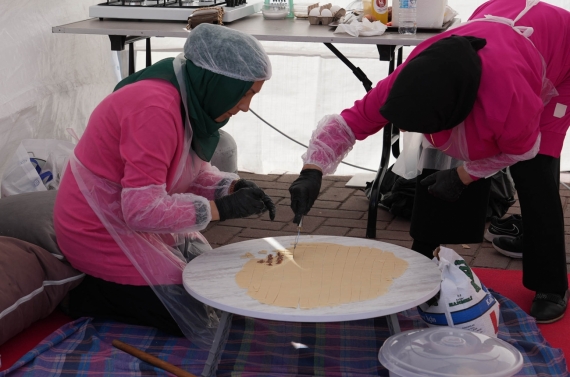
(407, 163)
(363, 28)
(463, 301)
(37, 165)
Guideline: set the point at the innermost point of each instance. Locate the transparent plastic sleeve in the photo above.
(330, 143)
(488, 166)
(159, 258)
(212, 183)
(151, 209)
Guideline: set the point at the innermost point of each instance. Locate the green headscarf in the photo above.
(209, 96)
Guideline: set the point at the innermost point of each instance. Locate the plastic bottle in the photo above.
(378, 9)
(407, 17)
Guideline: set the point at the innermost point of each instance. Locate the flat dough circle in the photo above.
(320, 274)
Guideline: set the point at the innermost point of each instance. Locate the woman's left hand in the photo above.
(244, 183)
(445, 184)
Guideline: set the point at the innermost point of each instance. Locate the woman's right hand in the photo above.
(244, 202)
(305, 190)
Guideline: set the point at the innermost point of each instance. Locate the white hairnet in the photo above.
(227, 52)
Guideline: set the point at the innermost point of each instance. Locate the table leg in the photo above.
(390, 141)
(118, 43)
(218, 346)
(356, 70)
(393, 324)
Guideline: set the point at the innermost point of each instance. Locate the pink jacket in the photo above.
(506, 117)
(135, 139)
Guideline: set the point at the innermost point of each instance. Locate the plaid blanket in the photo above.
(261, 348)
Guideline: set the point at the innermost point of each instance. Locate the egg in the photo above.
(335, 8)
(315, 12)
(326, 13)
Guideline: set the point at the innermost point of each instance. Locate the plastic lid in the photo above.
(448, 351)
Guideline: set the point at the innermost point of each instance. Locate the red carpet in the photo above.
(509, 284)
(18, 346)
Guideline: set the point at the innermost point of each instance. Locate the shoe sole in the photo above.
(490, 236)
(550, 320)
(508, 253)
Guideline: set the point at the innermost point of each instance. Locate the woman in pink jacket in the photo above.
(489, 94)
(140, 188)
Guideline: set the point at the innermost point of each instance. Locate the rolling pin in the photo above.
(151, 359)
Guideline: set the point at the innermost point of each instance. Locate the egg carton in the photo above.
(324, 20)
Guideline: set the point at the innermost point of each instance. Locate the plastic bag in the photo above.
(463, 301)
(37, 165)
(407, 163)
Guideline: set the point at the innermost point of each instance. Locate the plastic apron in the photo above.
(159, 258)
(418, 153)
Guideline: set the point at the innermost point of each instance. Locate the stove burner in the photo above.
(142, 3)
(196, 3)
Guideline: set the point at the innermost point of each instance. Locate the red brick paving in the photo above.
(341, 211)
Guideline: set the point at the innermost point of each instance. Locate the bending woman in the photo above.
(490, 93)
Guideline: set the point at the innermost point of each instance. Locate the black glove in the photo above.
(445, 185)
(304, 192)
(243, 203)
(244, 183)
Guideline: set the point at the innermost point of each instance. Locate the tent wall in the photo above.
(52, 82)
(49, 82)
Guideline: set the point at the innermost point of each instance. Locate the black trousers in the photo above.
(136, 305)
(544, 254)
(435, 222)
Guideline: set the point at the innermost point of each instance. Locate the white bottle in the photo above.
(407, 17)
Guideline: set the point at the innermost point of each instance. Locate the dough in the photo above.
(247, 255)
(320, 274)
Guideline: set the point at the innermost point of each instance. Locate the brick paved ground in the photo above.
(341, 211)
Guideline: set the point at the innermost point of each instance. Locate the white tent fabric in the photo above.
(51, 82)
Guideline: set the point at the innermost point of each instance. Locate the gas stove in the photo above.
(171, 10)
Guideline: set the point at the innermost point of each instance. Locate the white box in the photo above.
(429, 13)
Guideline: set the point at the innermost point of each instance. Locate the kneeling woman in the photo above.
(140, 187)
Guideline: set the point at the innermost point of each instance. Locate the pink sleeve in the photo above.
(486, 167)
(364, 118)
(148, 148)
(150, 209)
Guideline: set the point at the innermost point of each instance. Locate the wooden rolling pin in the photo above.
(151, 359)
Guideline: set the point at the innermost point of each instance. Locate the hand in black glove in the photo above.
(245, 202)
(244, 183)
(445, 185)
(304, 192)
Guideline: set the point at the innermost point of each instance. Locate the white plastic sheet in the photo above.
(53, 81)
(50, 82)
